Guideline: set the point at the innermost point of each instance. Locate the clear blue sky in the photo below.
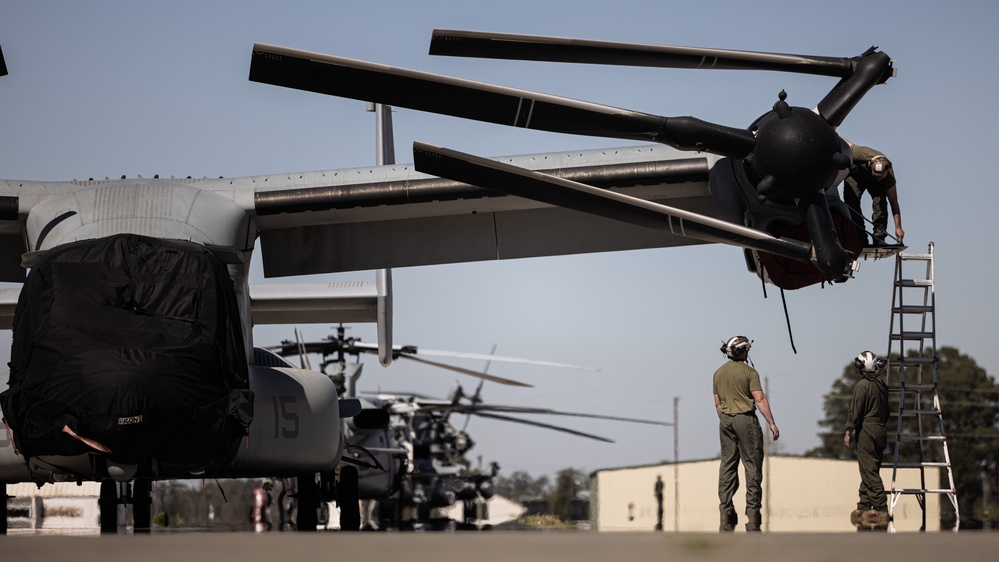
(110, 88)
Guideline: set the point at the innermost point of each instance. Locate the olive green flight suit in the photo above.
(741, 439)
(867, 416)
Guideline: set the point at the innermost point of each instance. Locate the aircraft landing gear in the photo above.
(347, 499)
(307, 517)
(141, 506)
(3, 508)
(108, 503)
(137, 493)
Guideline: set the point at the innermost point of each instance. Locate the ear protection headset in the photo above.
(867, 362)
(735, 346)
(880, 164)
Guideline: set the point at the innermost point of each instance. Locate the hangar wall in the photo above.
(799, 495)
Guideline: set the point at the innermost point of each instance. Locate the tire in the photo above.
(141, 506)
(347, 499)
(108, 503)
(307, 517)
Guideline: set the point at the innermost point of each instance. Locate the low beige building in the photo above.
(60, 508)
(800, 494)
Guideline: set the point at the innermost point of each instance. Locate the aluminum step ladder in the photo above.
(920, 439)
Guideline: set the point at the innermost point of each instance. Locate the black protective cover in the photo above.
(134, 342)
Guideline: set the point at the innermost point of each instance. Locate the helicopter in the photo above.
(773, 189)
(415, 468)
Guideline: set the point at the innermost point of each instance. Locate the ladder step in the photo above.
(914, 413)
(913, 309)
(924, 491)
(916, 257)
(911, 438)
(917, 464)
(913, 387)
(912, 336)
(915, 283)
(921, 360)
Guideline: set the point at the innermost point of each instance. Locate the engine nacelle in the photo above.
(295, 428)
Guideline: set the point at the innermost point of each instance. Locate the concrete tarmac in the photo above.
(506, 546)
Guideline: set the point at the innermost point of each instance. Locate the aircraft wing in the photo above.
(359, 218)
(393, 216)
(315, 303)
(287, 303)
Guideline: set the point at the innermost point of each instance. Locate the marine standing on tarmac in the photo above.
(867, 416)
(871, 171)
(738, 394)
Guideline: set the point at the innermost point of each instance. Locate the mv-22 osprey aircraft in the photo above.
(132, 356)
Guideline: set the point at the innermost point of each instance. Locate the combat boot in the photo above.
(874, 519)
(856, 516)
(754, 522)
(728, 522)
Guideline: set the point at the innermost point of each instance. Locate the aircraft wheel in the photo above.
(3, 508)
(141, 506)
(327, 486)
(307, 517)
(347, 499)
(108, 503)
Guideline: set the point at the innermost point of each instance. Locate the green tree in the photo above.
(520, 486)
(969, 400)
(568, 483)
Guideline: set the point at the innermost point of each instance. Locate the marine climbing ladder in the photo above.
(920, 439)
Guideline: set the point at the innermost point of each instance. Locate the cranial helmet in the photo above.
(868, 363)
(735, 346)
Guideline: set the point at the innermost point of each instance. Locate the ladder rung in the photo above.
(914, 413)
(915, 283)
(922, 360)
(921, 437)
(912, 336)
(923, 491)
(917, 464)
(913, 387)
(920, 257)
(913, 309)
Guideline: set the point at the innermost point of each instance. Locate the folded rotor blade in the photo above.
(413, 350)
(477, 408)
(3, 65)
(479, 101)
(469, 372)
(581, 197)
(544, 425)
(289, 348)
(557, 49)
(872, 68)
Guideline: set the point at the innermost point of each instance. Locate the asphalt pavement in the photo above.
(506, 546)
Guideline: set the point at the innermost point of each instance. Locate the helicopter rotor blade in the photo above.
(510, 46)
(3, 64)
(414, 350)
(544, 425)
(489, 103)
(468, 372)
(289, 348)
(529, 184)
(476, 408)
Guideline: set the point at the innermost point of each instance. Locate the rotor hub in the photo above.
(796, 151)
